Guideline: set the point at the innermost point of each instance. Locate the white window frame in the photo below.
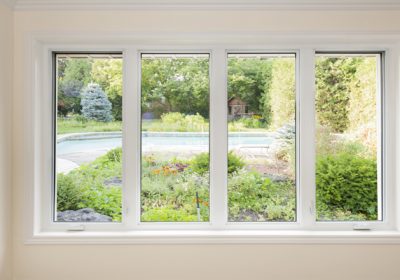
(39, 227)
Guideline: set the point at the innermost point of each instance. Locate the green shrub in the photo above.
(201, 163)
(245, 124)
(169, 215)
(347, 183)
(69, 195)
(252, 197)
(175, 121)
(85, 186)
(115, 155)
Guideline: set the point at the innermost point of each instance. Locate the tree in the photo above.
(73, 75)
(250, 80)
(175, 85)
(95, 104)
(333, 78)
(283, 92)
(108, 74)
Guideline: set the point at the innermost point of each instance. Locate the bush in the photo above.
(347, 183)
(201, 163)
(69, 195)
(85, 186)
(252, 197)
(244, 124)
(95, 104)
(115, 155)
(175, 121)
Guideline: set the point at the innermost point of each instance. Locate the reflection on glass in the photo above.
(175, 138)
(262, 136)
(88, 140)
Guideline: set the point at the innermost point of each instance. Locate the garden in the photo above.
(261, 133)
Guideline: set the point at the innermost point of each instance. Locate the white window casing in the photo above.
(38, 212)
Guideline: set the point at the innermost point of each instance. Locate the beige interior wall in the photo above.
(6, 39)
(119, 262)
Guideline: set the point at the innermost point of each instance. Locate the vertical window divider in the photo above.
(218, 139)
(306, 142)
(131, 138)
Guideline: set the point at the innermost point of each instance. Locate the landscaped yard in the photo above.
(261, 132)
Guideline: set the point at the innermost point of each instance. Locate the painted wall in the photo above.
(48, 262)
(6, 40)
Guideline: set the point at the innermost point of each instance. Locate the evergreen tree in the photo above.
(95, 104)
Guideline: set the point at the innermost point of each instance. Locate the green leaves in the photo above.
(347, 183)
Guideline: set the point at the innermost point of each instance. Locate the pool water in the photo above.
(87, 145)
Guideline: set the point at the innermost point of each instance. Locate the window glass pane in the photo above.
(175, 138)
(262, 137)
(348, 119)
(88, 137)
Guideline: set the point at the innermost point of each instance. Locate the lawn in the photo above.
(75, 125)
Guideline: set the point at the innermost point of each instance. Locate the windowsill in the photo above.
(218, 237)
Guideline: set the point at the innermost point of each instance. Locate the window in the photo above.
(175, 138)
(88, 144)
(262, 137)
(218, 139)
(348, 114)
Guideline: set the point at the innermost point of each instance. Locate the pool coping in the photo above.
(118, 134)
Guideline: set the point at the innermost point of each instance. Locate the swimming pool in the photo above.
(69, 146)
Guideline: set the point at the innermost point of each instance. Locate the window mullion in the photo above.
(306, 147)
(131, 138)
(218, 139)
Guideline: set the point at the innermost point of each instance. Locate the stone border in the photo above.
(118, 134)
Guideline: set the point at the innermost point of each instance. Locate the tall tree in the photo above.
(333, 78)
(108, 74)
(73, 75)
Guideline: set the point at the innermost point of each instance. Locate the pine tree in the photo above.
(95, 104)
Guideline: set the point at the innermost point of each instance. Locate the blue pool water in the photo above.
(76, 146)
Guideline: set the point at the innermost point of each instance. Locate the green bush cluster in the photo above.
(175, 121)
(85, 187)
(346, 183)
(252, 197)
(244, 124)
(201, 163)
(346, 189)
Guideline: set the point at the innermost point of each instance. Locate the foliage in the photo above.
(329, 143)
(250, 80)
(108, 74)
(69, 195)
(85, 187)
(78, 124)
(169, 192)
(347, 183)
(95, 104)
(175, 85)
(73, 75)
(346, 190)
(168, 214)
(283, 92)
(201, 163)
(333, 78)
(245, 123)
(178, 122)
(252, 197)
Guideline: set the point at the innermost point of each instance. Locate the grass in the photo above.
(74, 125)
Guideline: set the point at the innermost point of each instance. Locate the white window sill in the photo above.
(217, 237)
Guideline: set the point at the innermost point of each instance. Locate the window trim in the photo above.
(38, 231)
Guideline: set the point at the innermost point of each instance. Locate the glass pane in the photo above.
(262, 137)
(88, 138)
(348, 137)
(175, 138)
